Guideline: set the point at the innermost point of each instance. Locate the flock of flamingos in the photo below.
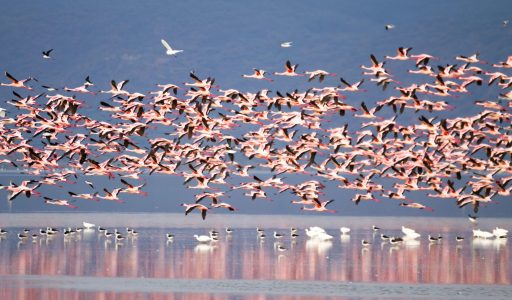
(221, 140)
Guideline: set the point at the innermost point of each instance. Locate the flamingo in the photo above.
(422, 59)
(319, 206)
(111, 196)
(351, 87)
(16, 83)
(320, 74)
(470, 59)
(376, 67)
(224, 205)
(79, 89)
(84, 196)
(116, 89)
(133, 189)
(505, 64)
(190, 207)
(416, 205)
(368, 114)
(401, 54)
(289, 70)
(59, 202)
(258, 74)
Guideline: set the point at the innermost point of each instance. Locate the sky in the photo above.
(225, 39)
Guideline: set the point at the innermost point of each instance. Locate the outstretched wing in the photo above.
(344, 82)
(166, 45)
(11, 78)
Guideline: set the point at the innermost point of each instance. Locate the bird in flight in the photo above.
(170, 51)
(46, 54)
(286, 44)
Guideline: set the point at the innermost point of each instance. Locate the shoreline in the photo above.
(256, 287)
(179, 220)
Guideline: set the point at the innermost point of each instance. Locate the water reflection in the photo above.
(242, 256)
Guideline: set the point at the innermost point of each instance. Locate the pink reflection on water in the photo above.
(245, 257)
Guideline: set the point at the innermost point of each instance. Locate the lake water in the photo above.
(241, 266)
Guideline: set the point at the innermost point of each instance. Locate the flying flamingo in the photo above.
(190, 207)
(289, 70)
(351, 87)
(416, 205)
(319, 206)
(17, 83)
(401, 54)
(59, 202)
(320, 74)
(258, 74)
(111, 196)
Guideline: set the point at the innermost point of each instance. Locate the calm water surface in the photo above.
(241, 266)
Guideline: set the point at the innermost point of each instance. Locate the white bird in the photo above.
(408, 231)
(2, 112)
(389, 26)
(88, 225)
(203, 238)
(319, 233)
(498, 232)
(170, 51)
(316, 229)
(310, 233)
(323, 236)
(482, 234)
(313, 232)
(286, 44)
(411, 236)
(344, 230)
